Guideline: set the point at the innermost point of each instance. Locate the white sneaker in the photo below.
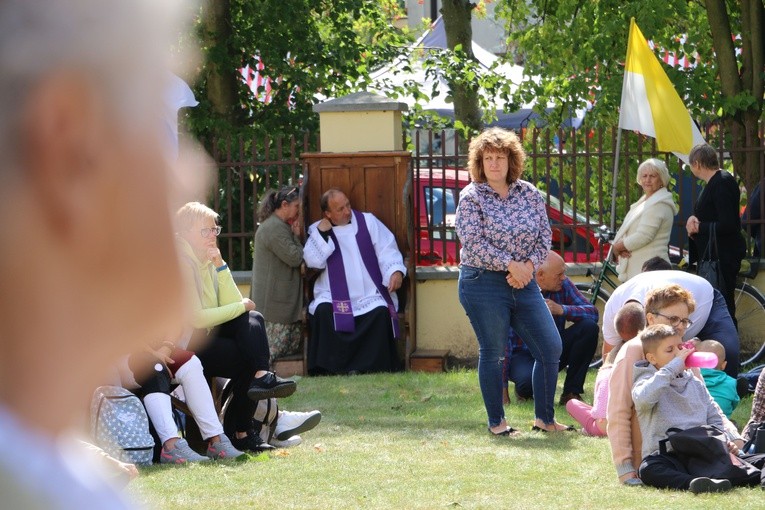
(289, 424)
(287, 443)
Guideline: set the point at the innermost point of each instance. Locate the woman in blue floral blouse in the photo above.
(505, 234)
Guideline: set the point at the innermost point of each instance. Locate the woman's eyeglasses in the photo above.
(214, 231)
(675, 321)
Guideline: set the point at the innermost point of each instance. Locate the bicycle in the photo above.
(594, 291)
(750, 302)
(750, 314)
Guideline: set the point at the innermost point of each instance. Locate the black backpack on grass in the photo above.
(704, 451)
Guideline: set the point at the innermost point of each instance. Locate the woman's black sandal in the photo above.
(534, 428)
(509, 431)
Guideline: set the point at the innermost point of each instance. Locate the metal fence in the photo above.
(246, 169)
(573, 170)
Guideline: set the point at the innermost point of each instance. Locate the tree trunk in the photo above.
(736, 86)
(221, 81)
(457, 16)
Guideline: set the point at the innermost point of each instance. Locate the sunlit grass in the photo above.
(415, 440)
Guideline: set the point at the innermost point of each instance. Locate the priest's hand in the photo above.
(395, 281)
(324, 225)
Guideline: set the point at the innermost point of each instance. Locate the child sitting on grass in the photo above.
(593, 417)
(666, 395)
(720, 385)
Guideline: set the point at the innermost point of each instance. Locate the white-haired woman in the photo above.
(644, 234)
(230, 336)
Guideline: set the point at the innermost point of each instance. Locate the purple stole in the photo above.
(338, 285)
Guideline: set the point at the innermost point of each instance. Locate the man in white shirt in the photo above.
(354, 311)
(710, 319)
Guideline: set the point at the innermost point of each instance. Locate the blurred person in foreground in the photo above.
(88, 264)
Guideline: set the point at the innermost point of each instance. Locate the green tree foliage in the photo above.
(576, 49)
(308, 48)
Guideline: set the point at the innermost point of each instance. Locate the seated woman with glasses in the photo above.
(671, 305)
(229, 338)
(277, 286)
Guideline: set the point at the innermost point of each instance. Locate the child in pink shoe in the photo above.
(593, 417)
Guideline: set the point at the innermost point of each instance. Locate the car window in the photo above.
(443, 201)
(436, 212)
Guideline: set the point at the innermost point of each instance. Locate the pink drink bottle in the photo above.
(700, 359)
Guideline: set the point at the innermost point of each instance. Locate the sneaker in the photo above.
(270, 386)
(287, 443)
(289, 424)
(633, 482)
(704, 484)
(223, 449)
(180, 454)
(252, 442)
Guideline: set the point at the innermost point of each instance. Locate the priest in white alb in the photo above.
(353, 316)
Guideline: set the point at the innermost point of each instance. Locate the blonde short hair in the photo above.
(657, 166)
(668, 295)
(121, 48)
(190, 213)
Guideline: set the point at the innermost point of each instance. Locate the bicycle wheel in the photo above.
(600, 303)
(750, 315)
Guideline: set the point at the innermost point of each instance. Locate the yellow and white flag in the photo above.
(650, 103)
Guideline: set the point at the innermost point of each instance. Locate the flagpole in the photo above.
(615, 178)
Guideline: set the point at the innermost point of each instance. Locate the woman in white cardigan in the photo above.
(644, 234)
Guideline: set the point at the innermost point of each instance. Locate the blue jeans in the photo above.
(520, 370)
(493, 306)
(719, 326)
(579, 343)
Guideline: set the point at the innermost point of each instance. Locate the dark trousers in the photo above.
(720, 326)
(580, 341)
(236, 350)
(666, 471)
(370, 348)
(729, 270)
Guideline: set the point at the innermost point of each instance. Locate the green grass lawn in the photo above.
(415, 440)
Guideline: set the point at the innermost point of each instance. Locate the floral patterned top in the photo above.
(495, 230)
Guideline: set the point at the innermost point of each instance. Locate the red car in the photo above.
(436, 198)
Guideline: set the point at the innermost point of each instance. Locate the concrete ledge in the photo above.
(242, 277)
(437, 273)
(453, 272)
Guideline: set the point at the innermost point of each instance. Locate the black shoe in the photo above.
(568, 396)
(742, 386)
(270, 386)
(703, 484)
(252, 442)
